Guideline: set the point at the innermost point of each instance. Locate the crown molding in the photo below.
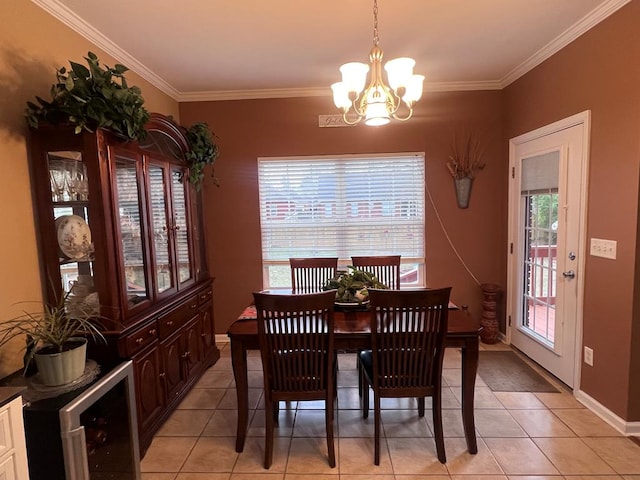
(319, 91)
(73, 21)
(215, 95)
(462, 86)
(586, 23)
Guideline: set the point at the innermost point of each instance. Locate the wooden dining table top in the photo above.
(357, 322)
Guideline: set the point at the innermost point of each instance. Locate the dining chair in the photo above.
(385, 267)
(308, 275)
(298, 359)
(408, 329)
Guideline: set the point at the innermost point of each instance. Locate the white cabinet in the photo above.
(13, 449)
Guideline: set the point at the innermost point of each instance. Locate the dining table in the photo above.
(352, 333)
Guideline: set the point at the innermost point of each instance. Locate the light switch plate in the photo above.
(603, 248)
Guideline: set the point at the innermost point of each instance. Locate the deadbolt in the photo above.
(572, 256)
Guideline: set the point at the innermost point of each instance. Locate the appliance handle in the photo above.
(74, 446)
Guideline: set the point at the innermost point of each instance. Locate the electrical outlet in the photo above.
(603, 248)
(588, 356)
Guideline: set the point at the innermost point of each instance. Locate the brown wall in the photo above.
(600, 72)
(32, 45)
(250, 129)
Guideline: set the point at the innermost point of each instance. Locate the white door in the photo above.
(547, 199)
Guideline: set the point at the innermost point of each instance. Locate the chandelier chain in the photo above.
(376, 37)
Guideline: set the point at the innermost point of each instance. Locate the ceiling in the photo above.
(233, 49)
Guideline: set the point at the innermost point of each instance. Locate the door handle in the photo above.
(569, 274)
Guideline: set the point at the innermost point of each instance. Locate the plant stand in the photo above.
(489, 322)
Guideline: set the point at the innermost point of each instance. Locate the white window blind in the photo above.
(540, 173)
(342, 206)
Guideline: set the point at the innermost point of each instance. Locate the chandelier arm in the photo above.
(403, 119)
(355, 122)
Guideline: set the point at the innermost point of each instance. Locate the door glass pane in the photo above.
(129, 217)
(159, 215)
(180, 223)
(539, 194)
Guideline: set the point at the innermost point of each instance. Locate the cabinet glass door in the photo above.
(69, 196)
(129, 212)
(162, 228)
(183, 252)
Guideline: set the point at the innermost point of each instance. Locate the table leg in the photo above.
(469, 370)
(239, 362)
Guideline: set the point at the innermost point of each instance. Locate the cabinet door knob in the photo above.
(169, 323)
(139, 340)
(152, 331)
(194, 305)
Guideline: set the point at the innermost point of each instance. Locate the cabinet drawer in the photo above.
(139, 339)
(204, 296)
(171, 321)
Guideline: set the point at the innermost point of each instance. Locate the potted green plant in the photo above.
(203, 151)
(90, 98)
(351, 286)
(56, 337)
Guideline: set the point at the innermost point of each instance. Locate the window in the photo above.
(342, 206)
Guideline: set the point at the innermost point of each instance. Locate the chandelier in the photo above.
(378, 103)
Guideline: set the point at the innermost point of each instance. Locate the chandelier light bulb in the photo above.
(399, 72)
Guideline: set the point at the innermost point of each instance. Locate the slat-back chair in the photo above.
(308, 275)
(408, 329)
(385, 267)
(296, 345)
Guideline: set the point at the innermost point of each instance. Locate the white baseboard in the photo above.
(622, 426)
(221, 338)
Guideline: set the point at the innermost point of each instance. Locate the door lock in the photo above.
(569, 274)
(572, 256)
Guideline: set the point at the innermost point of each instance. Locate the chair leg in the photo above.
(421, 406)
(269, 409)
(364, 386)
(276, 413)
(360, 373)
(437, 426)
(329, 414)
(376, 415)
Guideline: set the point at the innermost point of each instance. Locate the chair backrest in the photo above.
(408, 329)
(296, 342)
(308, 275)
(386, 268)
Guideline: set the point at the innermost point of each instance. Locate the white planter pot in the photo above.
(62, 368)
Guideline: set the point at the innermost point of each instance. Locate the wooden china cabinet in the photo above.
(120, 233)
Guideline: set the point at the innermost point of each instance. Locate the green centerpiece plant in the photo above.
(351, 286)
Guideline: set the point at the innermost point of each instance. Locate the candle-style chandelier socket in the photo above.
(378, 103)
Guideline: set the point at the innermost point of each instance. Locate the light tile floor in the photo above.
(528, 436)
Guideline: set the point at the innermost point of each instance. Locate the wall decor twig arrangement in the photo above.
(465, 160)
